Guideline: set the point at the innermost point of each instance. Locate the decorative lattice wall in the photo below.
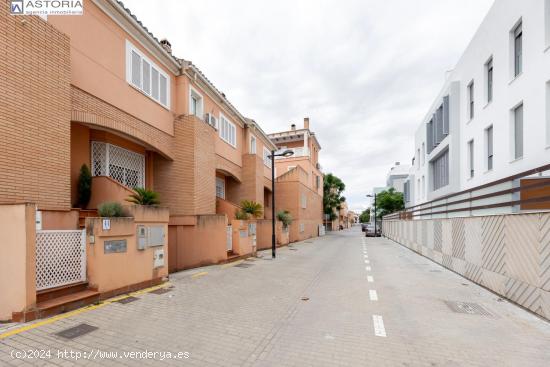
(121, 164)
(60, 258)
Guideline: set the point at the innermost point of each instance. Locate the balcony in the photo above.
(298, 152)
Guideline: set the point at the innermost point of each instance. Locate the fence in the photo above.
(60, 258)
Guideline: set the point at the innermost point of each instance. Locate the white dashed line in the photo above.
(368, 268)
(373, 295)
(379, 329)
(366, 256)
(370, 279)
(367, 261)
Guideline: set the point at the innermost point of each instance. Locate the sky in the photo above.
(365, 72)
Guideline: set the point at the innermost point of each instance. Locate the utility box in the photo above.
(141, 237)
(156, 236)
(158, 258)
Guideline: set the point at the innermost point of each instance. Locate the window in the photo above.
(489, 76)
(489, 141)
(471, 100)
(518, 49)
(406, 191)
(195, 103)
(220, 188)
(548, 112)
(267, 157)
(429, 135)
(317, 181)
(303, 201)
(440, 171)
(418, 163)
(252, 144)
(122, 165)
(418, 188)
(146, 76)
(547, 22)
(423, 153)
(518, 132)
(471, 158)
(228, 131)
(302, 227)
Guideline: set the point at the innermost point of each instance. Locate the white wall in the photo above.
(532, 87)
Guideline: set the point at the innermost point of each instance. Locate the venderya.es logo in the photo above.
(47, 7)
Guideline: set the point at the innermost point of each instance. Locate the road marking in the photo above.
(373, 295)
(366, 256)
(367, 261)
(51, 320)
(202, 273)
(368, 268)
(370, 279)
(379, 329)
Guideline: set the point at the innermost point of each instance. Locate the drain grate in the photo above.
(243, 265)
(468, 308)
(127, 300)
(76, 331)
(160, 291)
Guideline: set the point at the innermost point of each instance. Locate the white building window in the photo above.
(228, 131)
(303, 201)
(440, 171)
(267, 157)
(489, 79)
(423, 187)
(418, 162)
(122, 165)
(517, 132)
(220, 187)
(196, 103)
(489, 141)
(423, 153)
(252, 144)
(146, 76)
(471, 158)
(547, 22)
(471, 100)
(517, 34)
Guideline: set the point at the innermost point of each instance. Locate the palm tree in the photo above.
(253, 208)
(142, 196)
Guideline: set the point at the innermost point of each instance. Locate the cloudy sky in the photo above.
(365, 72)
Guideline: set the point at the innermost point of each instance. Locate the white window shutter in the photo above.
(136, 69)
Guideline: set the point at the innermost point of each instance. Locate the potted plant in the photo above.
(143, 196)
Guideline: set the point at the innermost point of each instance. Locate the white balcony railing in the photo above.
(298, 152)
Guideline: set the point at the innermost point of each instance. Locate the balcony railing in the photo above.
(298, 152)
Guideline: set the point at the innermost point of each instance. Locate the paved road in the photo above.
(341, 300)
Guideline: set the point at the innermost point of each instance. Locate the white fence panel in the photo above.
(60, 258)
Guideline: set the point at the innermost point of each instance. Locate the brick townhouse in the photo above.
(299, 181)
(99, 89)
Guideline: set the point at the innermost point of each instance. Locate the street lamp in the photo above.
(370, 196)
(286, 153)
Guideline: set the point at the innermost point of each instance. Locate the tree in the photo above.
(84, 186)
(389, 201)
(142, 196)
(364, 217)
(333, 187)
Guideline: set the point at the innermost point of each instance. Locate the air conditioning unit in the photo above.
(211, 120)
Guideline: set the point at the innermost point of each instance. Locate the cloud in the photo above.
(364, 72)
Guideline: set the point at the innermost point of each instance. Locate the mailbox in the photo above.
(141, 237)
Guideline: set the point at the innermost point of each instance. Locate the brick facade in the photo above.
(187, 184)
(35, 73)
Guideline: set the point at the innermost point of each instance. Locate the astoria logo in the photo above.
(46, 7)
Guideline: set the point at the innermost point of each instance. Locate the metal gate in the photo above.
(60, 258)
(229, 240)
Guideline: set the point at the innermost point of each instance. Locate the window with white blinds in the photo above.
(440, 171)
(146, 76)
(228, 131)
(267, 157)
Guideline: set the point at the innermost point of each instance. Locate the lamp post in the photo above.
(286, 153)
(370, 196)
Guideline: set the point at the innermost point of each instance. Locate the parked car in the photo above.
(364, 226)
(370, 232)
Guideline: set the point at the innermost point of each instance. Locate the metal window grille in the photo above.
(220, 187)
(120, 164)
(60, 258)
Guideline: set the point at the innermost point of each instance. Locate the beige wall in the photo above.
(506, 253)
(34, 113)
(112, 271)
(98, 61)
(106, 189)
(17, 259)
(196, 241)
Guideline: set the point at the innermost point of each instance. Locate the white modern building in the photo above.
(491, 118)
(397, 176)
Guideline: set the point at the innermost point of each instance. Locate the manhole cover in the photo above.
(76, 331)
(160, 291)
(127, 300)
(468, 308)
(243, 265)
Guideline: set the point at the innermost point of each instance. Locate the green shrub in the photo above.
(142, 196)
(252, 208)
(285, 217)
(84, 186)
(241, 215)
(110, 209)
